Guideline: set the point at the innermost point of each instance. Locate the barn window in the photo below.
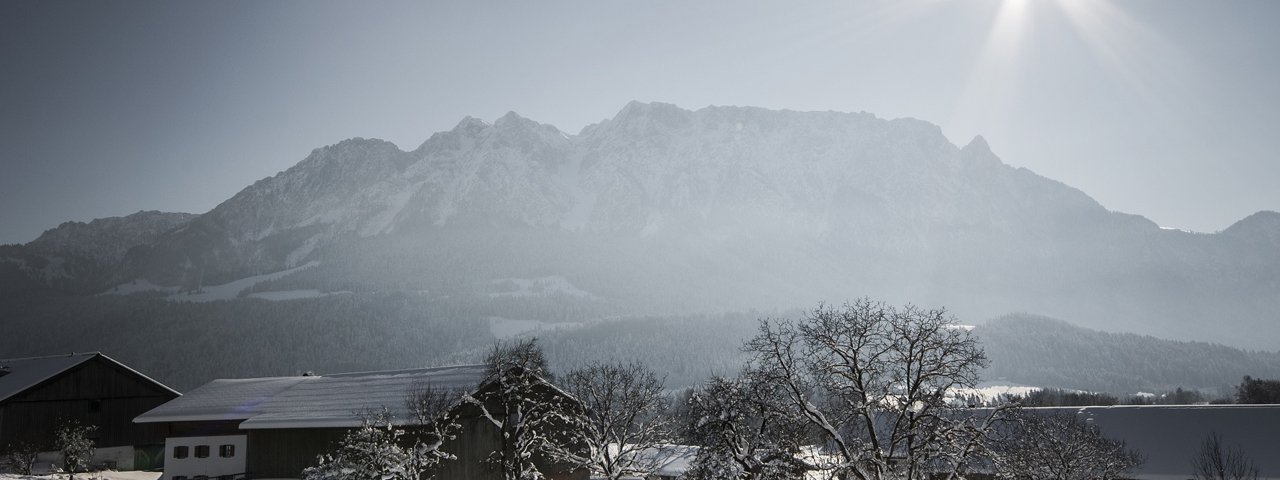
(180, 452)
(95, 406)
(227, 451)
(202, 451)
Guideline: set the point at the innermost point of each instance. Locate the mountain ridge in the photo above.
(665, 210)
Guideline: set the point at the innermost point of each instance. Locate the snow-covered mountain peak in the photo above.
(470, 124)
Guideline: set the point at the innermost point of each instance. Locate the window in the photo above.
(202, 451)
(227, 451)
(95, 406)
(180, 452)
(179, 477)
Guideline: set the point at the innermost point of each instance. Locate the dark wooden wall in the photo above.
(118, 395)
(284, 453)
(473, 445)
(205, 429)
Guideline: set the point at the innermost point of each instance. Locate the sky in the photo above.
(1162, 108)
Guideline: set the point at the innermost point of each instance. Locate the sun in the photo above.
(1125, 48)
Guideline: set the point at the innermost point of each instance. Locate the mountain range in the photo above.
(662, 210)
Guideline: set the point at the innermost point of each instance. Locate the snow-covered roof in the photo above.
(317, 401)
(19, 374)
(223, 399)
(1168, 436)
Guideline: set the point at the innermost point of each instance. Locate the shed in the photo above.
(275, 427)
(38, 393)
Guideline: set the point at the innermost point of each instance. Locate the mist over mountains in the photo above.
(662, 211)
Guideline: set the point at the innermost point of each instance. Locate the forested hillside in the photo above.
(1045, 352)
(186, 344)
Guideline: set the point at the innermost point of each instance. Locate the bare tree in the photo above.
(524, 354)
(743, 432)
(434, 422)
(381, 449)
(626, 417)
(1058, 446)
(1213, 462)
(20, 457)
(539, 424)
(871, 380)
(76, 446)
(371, 451)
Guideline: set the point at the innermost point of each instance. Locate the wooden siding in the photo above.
(477, 439)
(474, 443)
(95, 378)
(204, 429)
(284, 453)
(96, 392)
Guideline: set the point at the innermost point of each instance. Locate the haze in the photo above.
(1159, 108)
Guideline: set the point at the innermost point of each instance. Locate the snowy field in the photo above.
(226, 291)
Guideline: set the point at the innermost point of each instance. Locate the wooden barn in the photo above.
(37, 394)
(275, 427)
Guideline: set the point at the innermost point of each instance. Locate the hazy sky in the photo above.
(1166, 109)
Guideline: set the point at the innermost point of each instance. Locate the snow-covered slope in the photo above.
(662, 208)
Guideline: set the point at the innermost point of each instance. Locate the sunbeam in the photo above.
(992, 85)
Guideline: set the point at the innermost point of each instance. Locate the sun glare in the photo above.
(991, 88)
(1126, 50)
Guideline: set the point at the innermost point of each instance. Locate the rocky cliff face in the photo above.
(719, 208)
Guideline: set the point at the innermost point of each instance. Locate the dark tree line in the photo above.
(1256, 390)
(854, 392)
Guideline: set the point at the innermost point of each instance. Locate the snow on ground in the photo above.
(503, 328)
(103, 475)
(138, 285)
(231, 290)
(280, 295)
(990, 392)
(226, 291)
(529, 287)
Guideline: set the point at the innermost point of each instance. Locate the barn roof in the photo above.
(223, 399)
(17, 375)
(316, 401)
(1168, 436)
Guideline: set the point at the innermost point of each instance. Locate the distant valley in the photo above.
(659, 213)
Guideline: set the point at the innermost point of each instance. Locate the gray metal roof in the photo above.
(1168, 436)
(224, 399)
(311, 401)
(24, 373)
